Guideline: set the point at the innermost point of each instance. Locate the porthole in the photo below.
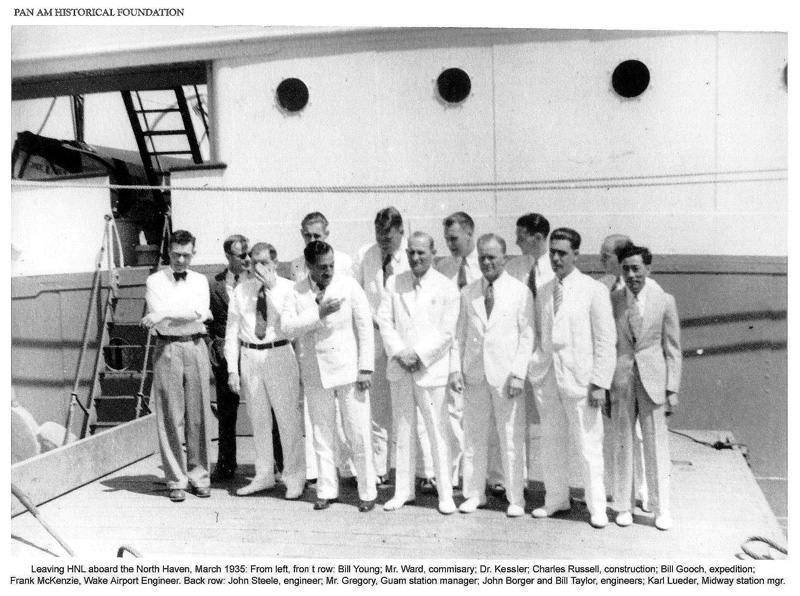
(292, 95)
(630, 78)
(453, 85)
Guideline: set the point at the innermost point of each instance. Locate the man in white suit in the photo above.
(495, 338)
(570, 371)
(417, 317)
(646, 382)
(262, 365)
(315, 227)
(614, 280)
(331, 315)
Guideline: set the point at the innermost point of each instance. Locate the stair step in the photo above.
(170, 153)
(164, 133)
(157, 111)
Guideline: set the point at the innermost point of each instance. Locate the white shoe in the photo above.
(515, 511)
(395, 503)
(663, 521)
(624, 519)
(447, 506)
(546, 511)
(472, 504)
(293, 495)
(256, 485)
(599, 520)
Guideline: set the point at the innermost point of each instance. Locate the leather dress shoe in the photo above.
(222, 473)
(547, 511)
(176, 495)
(321, 504)
(202, 491)
(382, 481)
(498, 491)
(427, 486)
(366, 506)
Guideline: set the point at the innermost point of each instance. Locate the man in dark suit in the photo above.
(221, 287)
(646, 382)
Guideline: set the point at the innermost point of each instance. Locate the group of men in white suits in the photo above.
(397, 352)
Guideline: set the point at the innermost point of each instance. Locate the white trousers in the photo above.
(610, 448)
(563, 416)
(381, 407)
(487, 407)
(655, 438)
(356, 420)
(342, 452)
(270, 381)
(408, 399)
(453, 436)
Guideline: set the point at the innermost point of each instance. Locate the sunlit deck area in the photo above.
(716, 506)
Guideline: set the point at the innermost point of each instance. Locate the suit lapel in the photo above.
(479, 305)
(652, 310)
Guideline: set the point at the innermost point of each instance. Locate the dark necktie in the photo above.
(488, 299)
(388, 268)
(179, 276)
(462, 273)
(261, 314)
(532, 280)
(235, 279)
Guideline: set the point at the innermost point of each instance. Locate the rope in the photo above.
(511, 186)
(778, 547)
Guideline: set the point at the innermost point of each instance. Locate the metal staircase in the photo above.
(119, 389)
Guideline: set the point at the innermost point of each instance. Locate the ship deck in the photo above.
(716, 506)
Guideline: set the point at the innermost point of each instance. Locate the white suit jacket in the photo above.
(424, 321)
(499, 346)
(340, 344)
(369, 271)
(657, 352)
(579, 343)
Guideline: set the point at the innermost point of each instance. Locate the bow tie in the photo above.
(179, 276)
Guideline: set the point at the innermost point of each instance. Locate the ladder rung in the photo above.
(160, 133)
(115, 397)
(170, 153)
(151, 111)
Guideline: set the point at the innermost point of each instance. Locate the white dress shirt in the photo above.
(370, 272)
(450, 266)
(241, 324)
(165, 293)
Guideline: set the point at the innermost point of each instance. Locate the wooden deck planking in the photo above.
(716, 505)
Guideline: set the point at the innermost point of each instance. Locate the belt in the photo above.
(179, 338)
(266, 346)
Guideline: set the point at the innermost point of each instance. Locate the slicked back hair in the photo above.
(233, 239)
(388, 218)
(534, 223)
(462, 219)
(314, 249)
(569, 235)
(314, 217)
(631, 250)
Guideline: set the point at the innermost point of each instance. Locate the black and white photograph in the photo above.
(429, 303)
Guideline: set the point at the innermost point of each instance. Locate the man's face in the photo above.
(420, 256)
(314, 231)
(635, 272)
(459, 240)
(491, 259)
(609, 259)
(562, 257)
(528, 243)
(238, 259)
(389, 240)
(261, 261)
(321, 271)
(180, 256)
